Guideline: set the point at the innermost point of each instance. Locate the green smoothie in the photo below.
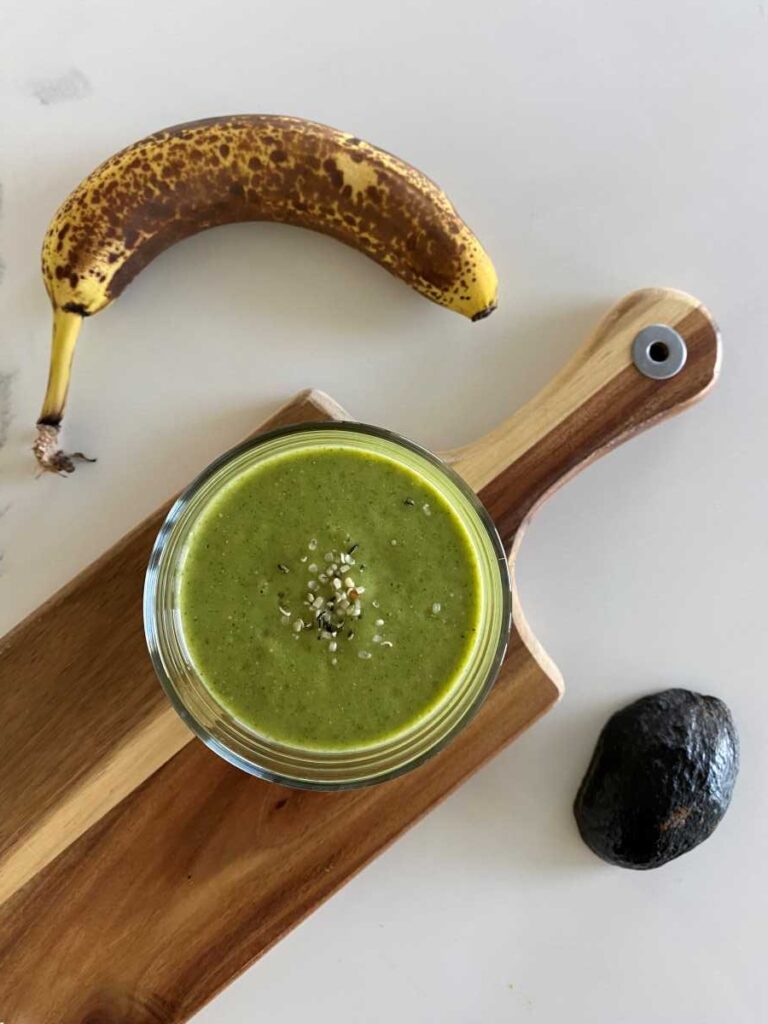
(329, 597)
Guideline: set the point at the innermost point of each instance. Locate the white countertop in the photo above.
(594, 148)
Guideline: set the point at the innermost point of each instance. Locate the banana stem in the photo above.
(66, 328)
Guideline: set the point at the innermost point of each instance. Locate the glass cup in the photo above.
(292, 765)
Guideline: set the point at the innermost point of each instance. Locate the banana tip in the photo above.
(483, 313)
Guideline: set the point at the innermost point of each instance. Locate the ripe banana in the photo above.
(245, 167)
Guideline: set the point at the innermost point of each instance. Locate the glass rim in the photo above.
(150, 606)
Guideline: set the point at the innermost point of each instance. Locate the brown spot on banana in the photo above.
(222, 170)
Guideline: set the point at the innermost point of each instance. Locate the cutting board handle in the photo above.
(655, 352)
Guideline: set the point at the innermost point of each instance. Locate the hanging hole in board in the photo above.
(659, 352)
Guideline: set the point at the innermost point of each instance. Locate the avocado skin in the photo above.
(660, 779)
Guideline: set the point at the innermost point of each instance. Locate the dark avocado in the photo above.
(660, 779)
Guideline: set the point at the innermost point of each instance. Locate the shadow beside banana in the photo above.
(245, 167)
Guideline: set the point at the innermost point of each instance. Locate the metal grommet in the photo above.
(658, 351)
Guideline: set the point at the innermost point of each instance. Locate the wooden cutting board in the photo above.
(140, 873)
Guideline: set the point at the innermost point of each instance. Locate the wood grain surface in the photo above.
(194, 874)
(203, 868)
